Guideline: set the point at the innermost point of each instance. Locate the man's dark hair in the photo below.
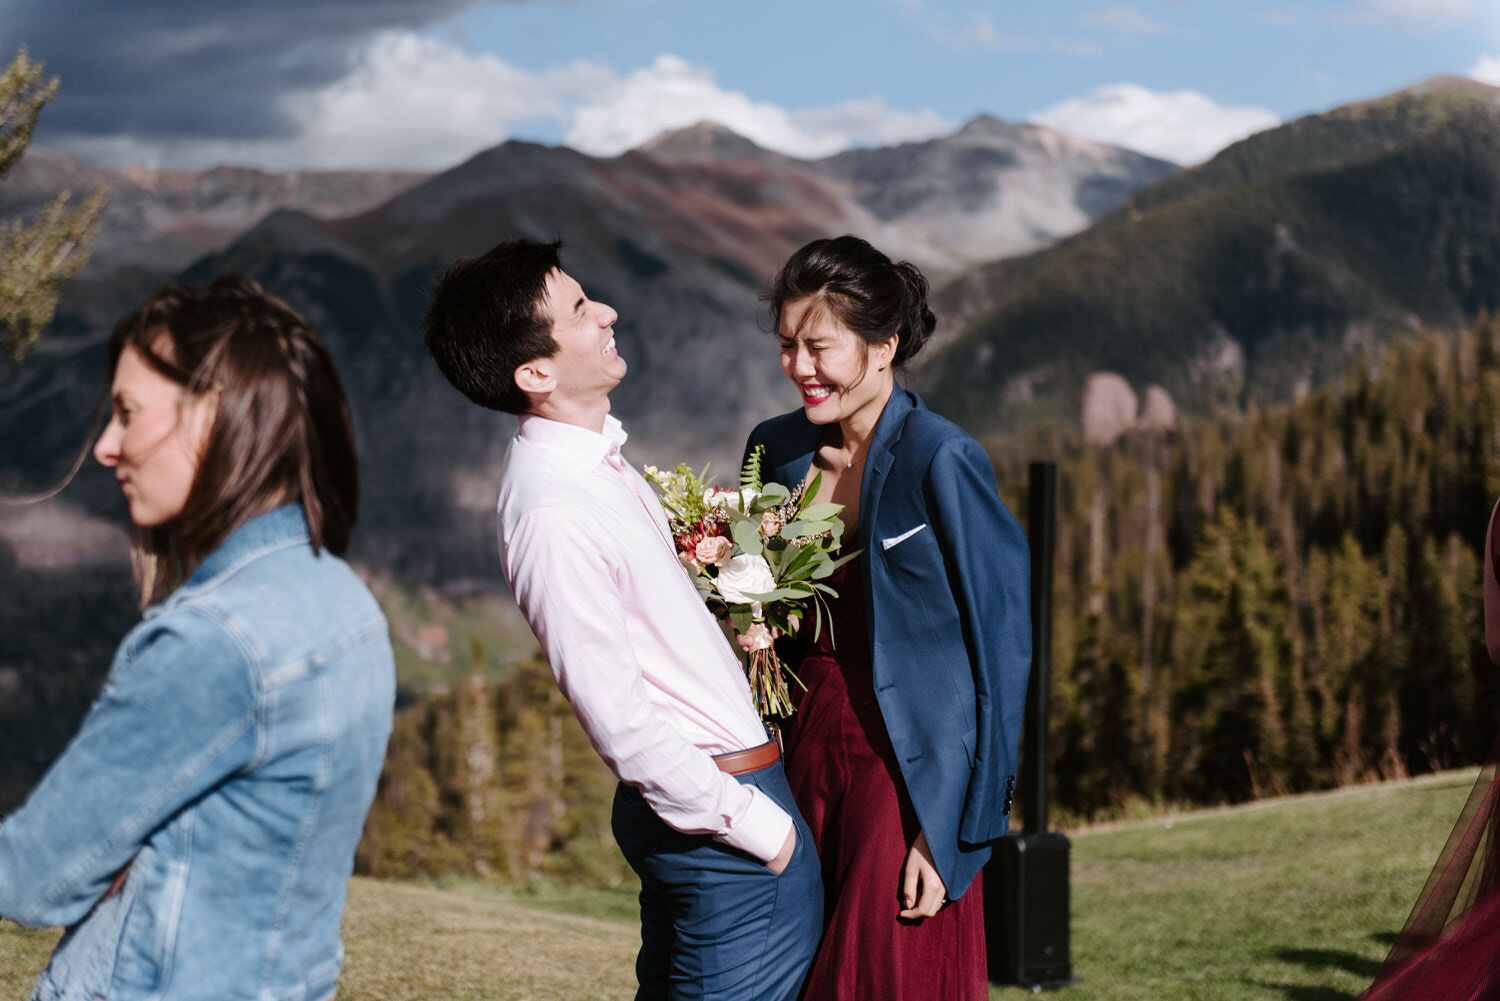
(487, 318)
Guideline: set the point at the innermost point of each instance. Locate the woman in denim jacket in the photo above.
(198, 834)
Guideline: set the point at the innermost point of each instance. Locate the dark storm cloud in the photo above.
(194, 68)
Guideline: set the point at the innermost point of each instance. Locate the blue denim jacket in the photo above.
(229, 761)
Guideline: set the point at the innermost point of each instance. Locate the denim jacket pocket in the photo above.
(149, 939)
(83, 964)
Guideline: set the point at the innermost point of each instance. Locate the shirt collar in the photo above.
(579, 445)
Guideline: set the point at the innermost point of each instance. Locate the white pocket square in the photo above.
(897, 540)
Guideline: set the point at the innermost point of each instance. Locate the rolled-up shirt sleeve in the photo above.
(566, 585)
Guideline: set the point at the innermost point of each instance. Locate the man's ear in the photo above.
(536, 376)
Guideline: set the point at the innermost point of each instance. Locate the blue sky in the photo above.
(405, 84)
(1009, 59)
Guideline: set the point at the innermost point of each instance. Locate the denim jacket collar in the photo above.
(276, 529)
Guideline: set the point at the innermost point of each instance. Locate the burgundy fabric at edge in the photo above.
(845, 779)
(1449, 949)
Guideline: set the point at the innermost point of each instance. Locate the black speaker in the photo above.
(1026, 911)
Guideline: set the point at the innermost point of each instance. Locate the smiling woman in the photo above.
(902, 750)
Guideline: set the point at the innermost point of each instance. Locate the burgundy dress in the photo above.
(844, 776)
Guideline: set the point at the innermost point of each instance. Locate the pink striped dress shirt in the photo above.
(585, 550)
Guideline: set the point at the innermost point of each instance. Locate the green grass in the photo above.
(1293, 899)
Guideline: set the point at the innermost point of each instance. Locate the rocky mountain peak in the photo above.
(704, 142)
(989, 127)
(1445, 83)
(1444, 91)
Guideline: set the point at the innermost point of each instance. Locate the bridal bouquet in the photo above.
(758, 555)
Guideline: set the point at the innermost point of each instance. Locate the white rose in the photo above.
(742, 576)
(738, 499)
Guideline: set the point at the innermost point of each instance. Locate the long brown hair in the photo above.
(281, 434)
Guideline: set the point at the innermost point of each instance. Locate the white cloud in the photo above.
(671, 93)
(964, 34)
(978, 32)
(1084, 50)
(1417, 15)
(1127, 21)
(414, 102)
(871, 122)
(987, 36)
(1183, 125)
(1487, 70)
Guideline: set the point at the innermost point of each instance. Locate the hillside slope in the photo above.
(1251, 278)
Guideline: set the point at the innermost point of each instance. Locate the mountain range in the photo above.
(680, 236)
(1249, 279)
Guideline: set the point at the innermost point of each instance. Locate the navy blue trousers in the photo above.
(716, 924)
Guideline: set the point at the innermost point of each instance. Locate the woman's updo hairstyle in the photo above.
(281, 434)
(860, 287)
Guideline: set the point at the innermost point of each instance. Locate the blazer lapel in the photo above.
(878, 463)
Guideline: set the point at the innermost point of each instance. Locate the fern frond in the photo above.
(750, 478)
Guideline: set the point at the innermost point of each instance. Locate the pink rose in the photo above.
(714, 550)
(757, 637)
(770, 525)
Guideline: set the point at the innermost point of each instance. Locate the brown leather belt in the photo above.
(750, 760)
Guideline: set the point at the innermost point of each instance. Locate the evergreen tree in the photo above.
(1231, 644)
(35, 257)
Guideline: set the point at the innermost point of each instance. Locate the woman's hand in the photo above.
(758, 637)
(922, 889)
(118, 883)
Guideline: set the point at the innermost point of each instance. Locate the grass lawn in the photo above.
(1293, 899)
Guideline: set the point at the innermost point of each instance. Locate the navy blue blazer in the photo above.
(947, 600)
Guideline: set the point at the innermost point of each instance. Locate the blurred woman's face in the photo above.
(154, 439)
(839, 374)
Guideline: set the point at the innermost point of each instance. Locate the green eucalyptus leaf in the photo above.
(794, 559)
(778, 594)
(746, 535)
(812, 489)
(774, 493)
(820, 512)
